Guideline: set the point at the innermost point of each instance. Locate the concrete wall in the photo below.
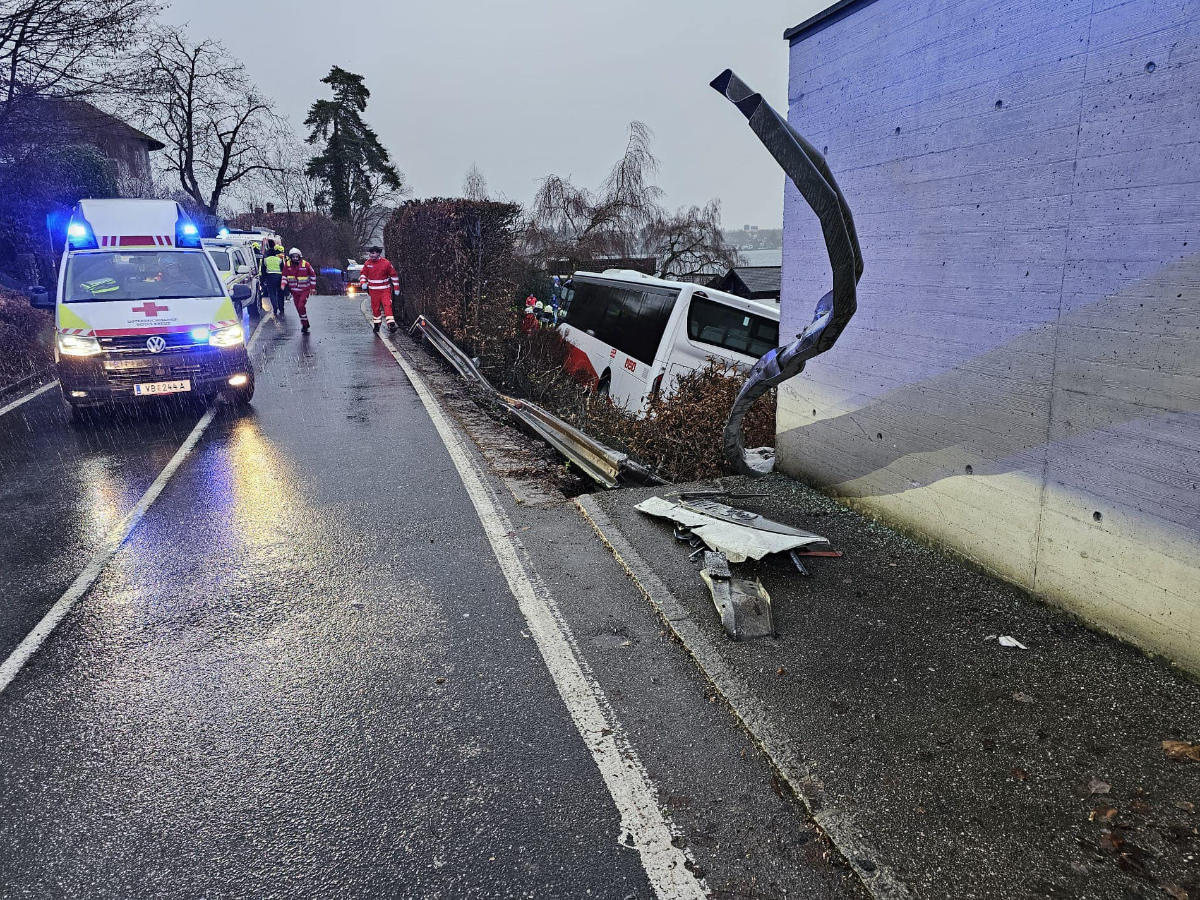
(1022, 379)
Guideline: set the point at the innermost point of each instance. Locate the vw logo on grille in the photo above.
(156, 344)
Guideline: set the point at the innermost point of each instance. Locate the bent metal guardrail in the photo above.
(811, 174)
(602, 464)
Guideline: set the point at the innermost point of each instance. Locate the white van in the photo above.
(634, 335)
(237, 264)
(141, 310)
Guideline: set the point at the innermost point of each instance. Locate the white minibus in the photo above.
(633, 335)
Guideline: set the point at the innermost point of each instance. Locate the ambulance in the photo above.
(141, 310)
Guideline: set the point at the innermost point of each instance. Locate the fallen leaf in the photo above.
(1022, 698)
(1182, 750)
(1010, 641)
(1141, 807)
(1102, 814)
(441, 679)
(1175, 892)
(781, 671)
(1185, 805)
(1111, 841)
(1020, 774)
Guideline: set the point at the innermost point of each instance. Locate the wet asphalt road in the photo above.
(248, 701)
(304, 674)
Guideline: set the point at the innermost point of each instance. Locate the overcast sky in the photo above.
(526, 88)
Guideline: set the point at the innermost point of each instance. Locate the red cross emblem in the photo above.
(150, 308)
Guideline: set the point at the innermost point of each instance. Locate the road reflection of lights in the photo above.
(259, 490)
(105, 499)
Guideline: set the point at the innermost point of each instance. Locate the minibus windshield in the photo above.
(139, 275)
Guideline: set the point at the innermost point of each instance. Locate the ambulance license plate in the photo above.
(155, 388)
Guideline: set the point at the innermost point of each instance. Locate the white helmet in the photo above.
(295, 251)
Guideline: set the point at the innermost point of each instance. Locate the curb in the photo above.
(36, 380)
(879, 879)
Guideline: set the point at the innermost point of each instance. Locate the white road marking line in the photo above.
(23, 400)
(626, 779)
(111, 543)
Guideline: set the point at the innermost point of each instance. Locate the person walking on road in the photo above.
(380, 280)
(272, 275)
(301, 279)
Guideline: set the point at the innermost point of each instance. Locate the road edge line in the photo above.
(880, 880)
(628, 783)
(112, 542)
(20, 401)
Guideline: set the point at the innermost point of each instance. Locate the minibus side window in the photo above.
(731, 329)
(587, 306)
(628, 318)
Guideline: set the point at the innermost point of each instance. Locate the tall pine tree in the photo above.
(352, 156)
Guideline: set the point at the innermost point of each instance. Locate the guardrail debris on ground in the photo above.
(602, 464)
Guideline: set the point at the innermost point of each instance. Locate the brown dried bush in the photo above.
(679, 437)
(25, 332)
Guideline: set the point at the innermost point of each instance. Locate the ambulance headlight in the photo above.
(230, 336)
(78, 345)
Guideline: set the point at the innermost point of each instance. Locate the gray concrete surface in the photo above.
(943, 764)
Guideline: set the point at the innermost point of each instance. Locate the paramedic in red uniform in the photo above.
(300, 278)
(379, 279)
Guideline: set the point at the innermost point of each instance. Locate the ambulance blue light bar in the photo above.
(186, 233)
(79, 235)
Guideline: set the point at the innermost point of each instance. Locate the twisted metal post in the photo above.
(810, 173)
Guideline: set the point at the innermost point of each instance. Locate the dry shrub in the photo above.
(25, 347)
(679, 437)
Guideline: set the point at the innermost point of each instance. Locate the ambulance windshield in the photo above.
(139, 275)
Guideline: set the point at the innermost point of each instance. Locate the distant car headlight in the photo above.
(78, 345)
(230, 336)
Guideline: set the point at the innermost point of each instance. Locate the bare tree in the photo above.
(571, 222)
(689, 243)
(217, 128)
(376, 201)
(68, 49)
(284, 183)
(474, 184)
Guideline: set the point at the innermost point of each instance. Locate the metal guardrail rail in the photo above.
(601, 463)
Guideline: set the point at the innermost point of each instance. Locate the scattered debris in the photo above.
(1096, 786)
(1182, 751)
(744, 606)
(1007, 640)
(1023, 698)
(737, 533)
(796, 561)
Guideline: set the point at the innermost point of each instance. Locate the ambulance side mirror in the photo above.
(243, 270)
(39, 297)
(240, 293)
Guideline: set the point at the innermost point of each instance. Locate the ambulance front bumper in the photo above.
(114, 378)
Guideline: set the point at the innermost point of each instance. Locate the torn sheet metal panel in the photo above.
(739, 541)
(744, 606)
